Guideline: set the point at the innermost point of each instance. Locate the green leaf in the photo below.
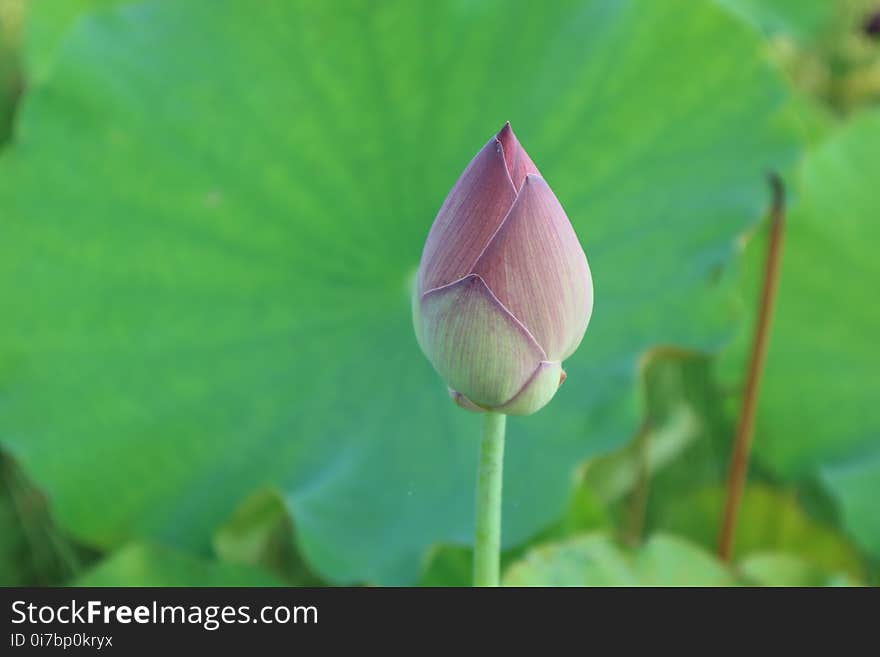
(148, 565)
(212, 295)
(769, 521)
(595, 560)
(780, 569)
(260, 533)
(683, 428)
(855, 484)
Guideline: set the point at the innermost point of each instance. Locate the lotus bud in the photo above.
(504, 292)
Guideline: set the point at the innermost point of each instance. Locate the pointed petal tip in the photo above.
(518, 162)
(506, 136)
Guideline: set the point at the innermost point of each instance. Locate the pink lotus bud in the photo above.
(504, 292)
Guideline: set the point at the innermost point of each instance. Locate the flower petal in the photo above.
(470, 215)
(519, 164)
(538, 390)
(536, 267)
(464, 402)
(475, 344)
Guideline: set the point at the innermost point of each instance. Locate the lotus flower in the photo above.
(504, 292)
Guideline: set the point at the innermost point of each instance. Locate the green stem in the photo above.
(487, 542)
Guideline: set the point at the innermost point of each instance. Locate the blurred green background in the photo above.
(210, 215)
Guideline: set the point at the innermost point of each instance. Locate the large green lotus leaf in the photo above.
(596, 560)
(212, 215)
(148, 565)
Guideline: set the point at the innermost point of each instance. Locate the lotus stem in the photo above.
(742, 443)
(487, 541)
